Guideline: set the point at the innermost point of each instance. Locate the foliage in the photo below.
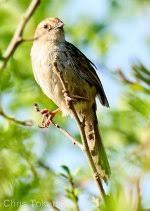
(72, 192)
(130, 142)
(28, 172)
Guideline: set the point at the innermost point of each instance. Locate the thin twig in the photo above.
(71, 192)
(30, 123)
(67, 134)
(82, 132)
(62, 130)
(76, 199)
(45, 166)
(123, 77)
(12, 119)
(17, 37)
(53, 205)
(32, 168)
(138, 190)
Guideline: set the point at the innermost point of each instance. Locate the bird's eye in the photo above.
(45, 26)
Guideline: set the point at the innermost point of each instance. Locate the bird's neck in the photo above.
(56, 42)
(56, 37)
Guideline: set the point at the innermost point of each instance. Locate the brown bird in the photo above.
(82, 81)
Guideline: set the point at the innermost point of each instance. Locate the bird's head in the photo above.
(50, 29)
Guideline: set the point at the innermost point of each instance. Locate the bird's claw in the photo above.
(47, 116)
(70, 99)
(74, 98)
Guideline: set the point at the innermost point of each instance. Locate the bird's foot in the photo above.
(68, 99)
(73, 98)
(47, 116)
(77, 97)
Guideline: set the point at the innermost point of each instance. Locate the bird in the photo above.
(83, 84)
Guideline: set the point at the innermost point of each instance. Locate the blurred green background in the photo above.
(115, 35)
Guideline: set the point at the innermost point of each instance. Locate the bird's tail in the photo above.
(95, 144)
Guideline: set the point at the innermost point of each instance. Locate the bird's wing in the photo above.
(87, 71)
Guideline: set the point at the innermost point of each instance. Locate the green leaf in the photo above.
(1, 55)
(6, 81)
(63, 175)
(66, 169)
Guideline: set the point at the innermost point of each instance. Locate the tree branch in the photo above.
(17, 37)
(82, 132)
(67, 134)
(46, 167)
(53, 205)
(123, 77)
(62, 130)
(24, 123)
(71, 192)
(30, 123)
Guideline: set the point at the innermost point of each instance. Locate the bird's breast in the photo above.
(42, 62)
(43, 73)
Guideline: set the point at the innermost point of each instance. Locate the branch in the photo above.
(17, 38)
(30, 123)
(123, 77)
(139, 76)
(46, 167)
(62, 130)
(67, 134)
(71, 192)
(24, 123)
(138, 197)
(53, 205)
(82, 132)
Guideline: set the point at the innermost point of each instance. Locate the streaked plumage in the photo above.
(80, 75)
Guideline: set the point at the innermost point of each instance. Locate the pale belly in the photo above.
(52, 87)
(50, 84)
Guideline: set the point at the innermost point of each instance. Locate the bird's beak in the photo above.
(60, 25)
